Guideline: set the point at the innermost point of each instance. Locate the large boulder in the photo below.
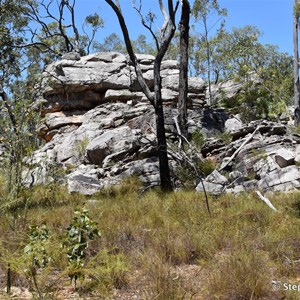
(115, 143)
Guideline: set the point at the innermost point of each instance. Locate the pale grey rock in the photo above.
(216, 177)
(250, 184)
(120, 141)
(214, 183)
(297, 154)
(122, 95)
(169, 95)
(238, 189)
(194, 85)
(228, 89)
(211, 188)
(284, 157)
(86, 179)
(234, 175)
(71, 56)
(98, 115)
(72, 143)
(265, 166)
(107, 57)
(233, 125)
(287, 186)
(145, 58)
(83, 184)
(169, 65)
(167, 72)
(35, 176)
(288, 176)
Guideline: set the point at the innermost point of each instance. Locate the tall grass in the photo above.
(237, 252)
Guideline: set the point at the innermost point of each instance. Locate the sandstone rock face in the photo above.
(213, 183)
(267, 162)
(99, 125)
(100, 128)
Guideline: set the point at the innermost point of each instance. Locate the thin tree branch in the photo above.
(145, 24)
(130, 51)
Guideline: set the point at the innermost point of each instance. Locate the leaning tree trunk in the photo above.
(183, 75)
(296, 64)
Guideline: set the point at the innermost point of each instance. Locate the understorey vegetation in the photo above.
(154, 245)
(127, 241)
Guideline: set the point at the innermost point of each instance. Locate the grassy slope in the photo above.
(164, 246)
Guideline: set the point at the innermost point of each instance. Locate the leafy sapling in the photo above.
(79, 233)
(36, 251)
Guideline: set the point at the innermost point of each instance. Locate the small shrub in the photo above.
(79, 233)
(198, 138)
(296, 129)
(225, 136)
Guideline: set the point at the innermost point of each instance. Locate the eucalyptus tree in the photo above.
(162, 43)
(202, 11)
(265, 72)
(183, 67)
(54, 29)
(296, 14)
(15, 91)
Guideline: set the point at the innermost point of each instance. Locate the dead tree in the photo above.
(167, 32)
(183, 66)
(296, 62)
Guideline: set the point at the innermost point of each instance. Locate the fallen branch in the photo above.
(233, 156)
(266, 200)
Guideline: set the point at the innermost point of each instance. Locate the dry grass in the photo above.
(162, 237)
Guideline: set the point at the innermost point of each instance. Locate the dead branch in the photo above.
(266, 200)
(233, 156)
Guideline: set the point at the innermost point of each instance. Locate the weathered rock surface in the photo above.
(100, 128)
(267, 162)
(213, 183)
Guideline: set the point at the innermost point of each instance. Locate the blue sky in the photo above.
(272, 17)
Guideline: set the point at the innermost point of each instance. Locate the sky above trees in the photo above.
(272, 17)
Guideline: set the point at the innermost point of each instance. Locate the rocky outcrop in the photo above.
(267, 162)
(99, 125)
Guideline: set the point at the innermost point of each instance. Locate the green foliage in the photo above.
(198, 138)
(297, 10)
(79, 233)
(225, 136)
(114, 43)
(296, 129)
(266, 74)
(193, 164)
(35, 250)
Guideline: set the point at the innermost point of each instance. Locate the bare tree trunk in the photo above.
(208, 59)
(164, 170)
(184, 60)
(296, 65)
(156, 99)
